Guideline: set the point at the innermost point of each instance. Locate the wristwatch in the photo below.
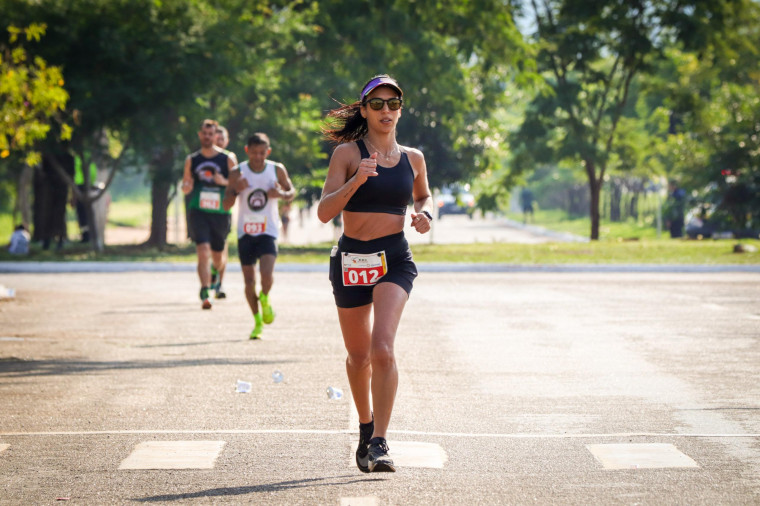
(428, 215)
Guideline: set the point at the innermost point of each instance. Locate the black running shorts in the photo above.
(253, 247)
(357, 267)
(210, 228)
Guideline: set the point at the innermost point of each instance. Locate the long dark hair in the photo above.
(346, 124)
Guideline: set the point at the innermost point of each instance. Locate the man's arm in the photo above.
(285, 189)
(187, 178)
(230, 193)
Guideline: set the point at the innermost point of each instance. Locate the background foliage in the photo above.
(591, 103)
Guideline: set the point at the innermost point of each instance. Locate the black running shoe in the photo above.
(379, 461)
(362, 451)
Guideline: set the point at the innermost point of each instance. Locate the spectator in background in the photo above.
(675, 209)
(285, 208)
(19, 241)
(526, 201)
(84, 189)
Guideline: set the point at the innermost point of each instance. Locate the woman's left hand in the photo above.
(420, 222)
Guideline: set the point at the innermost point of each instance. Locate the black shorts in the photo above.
(209, 228)
(253, 247)
(399, 264)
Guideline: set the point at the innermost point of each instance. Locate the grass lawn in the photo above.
(621, 243)
(707, 252)
(560, 222)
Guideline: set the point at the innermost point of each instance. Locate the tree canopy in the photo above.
(32, 96)
(637, 87)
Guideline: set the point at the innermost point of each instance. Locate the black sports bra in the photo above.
(389, 192)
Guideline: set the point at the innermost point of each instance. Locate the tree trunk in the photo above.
(160, 186)
(159, 197)
(24, 202)
(595, 187)
(633, 208)
(616, 195)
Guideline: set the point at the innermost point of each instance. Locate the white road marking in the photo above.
(173, 455)
(401, 432)
(640, 456)
(415, 454)
(358, 501)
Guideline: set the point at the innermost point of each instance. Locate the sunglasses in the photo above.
(376, 104)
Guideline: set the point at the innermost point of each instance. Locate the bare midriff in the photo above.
(368, 226)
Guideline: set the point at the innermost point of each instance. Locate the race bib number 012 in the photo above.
(210, 200)
(255, 224)
(363, 270)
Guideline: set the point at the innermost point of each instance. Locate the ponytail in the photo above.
(349, 125)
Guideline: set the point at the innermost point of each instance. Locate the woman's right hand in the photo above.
(367, 168)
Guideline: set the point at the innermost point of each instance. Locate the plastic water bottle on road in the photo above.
(243, 387)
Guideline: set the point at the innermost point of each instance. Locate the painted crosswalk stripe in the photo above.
(358, 501)
(173, 455)
(412, 454)
(640, 456)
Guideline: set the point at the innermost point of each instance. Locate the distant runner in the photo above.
(222, 140)
(204, 181)
(257, 184)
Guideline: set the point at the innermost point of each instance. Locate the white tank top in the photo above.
(257, 213)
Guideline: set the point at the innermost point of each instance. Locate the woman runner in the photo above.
(371, 180)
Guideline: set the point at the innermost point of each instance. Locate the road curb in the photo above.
(115, 267)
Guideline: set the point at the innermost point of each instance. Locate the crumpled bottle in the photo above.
(277, 376)
(243, 387)
(334, 393)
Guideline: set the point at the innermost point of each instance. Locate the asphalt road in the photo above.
(515, 388)
(305, 228)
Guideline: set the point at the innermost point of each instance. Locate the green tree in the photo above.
(590, 54)
(32, 99)
(146, 73)
(31, 95)
(707, 116)
(451, 57)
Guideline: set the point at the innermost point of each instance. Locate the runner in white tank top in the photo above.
(257, 213)
(257, 185)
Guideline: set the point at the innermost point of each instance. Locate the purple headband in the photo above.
(379, 81)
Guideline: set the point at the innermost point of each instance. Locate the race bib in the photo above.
(210, 200)
(363, 270)
(254, 224)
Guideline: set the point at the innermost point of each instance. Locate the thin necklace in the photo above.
(387, 156)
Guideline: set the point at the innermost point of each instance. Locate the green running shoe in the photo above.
(266, 310)
(214, 275)
(257, 330)
(205, 301)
